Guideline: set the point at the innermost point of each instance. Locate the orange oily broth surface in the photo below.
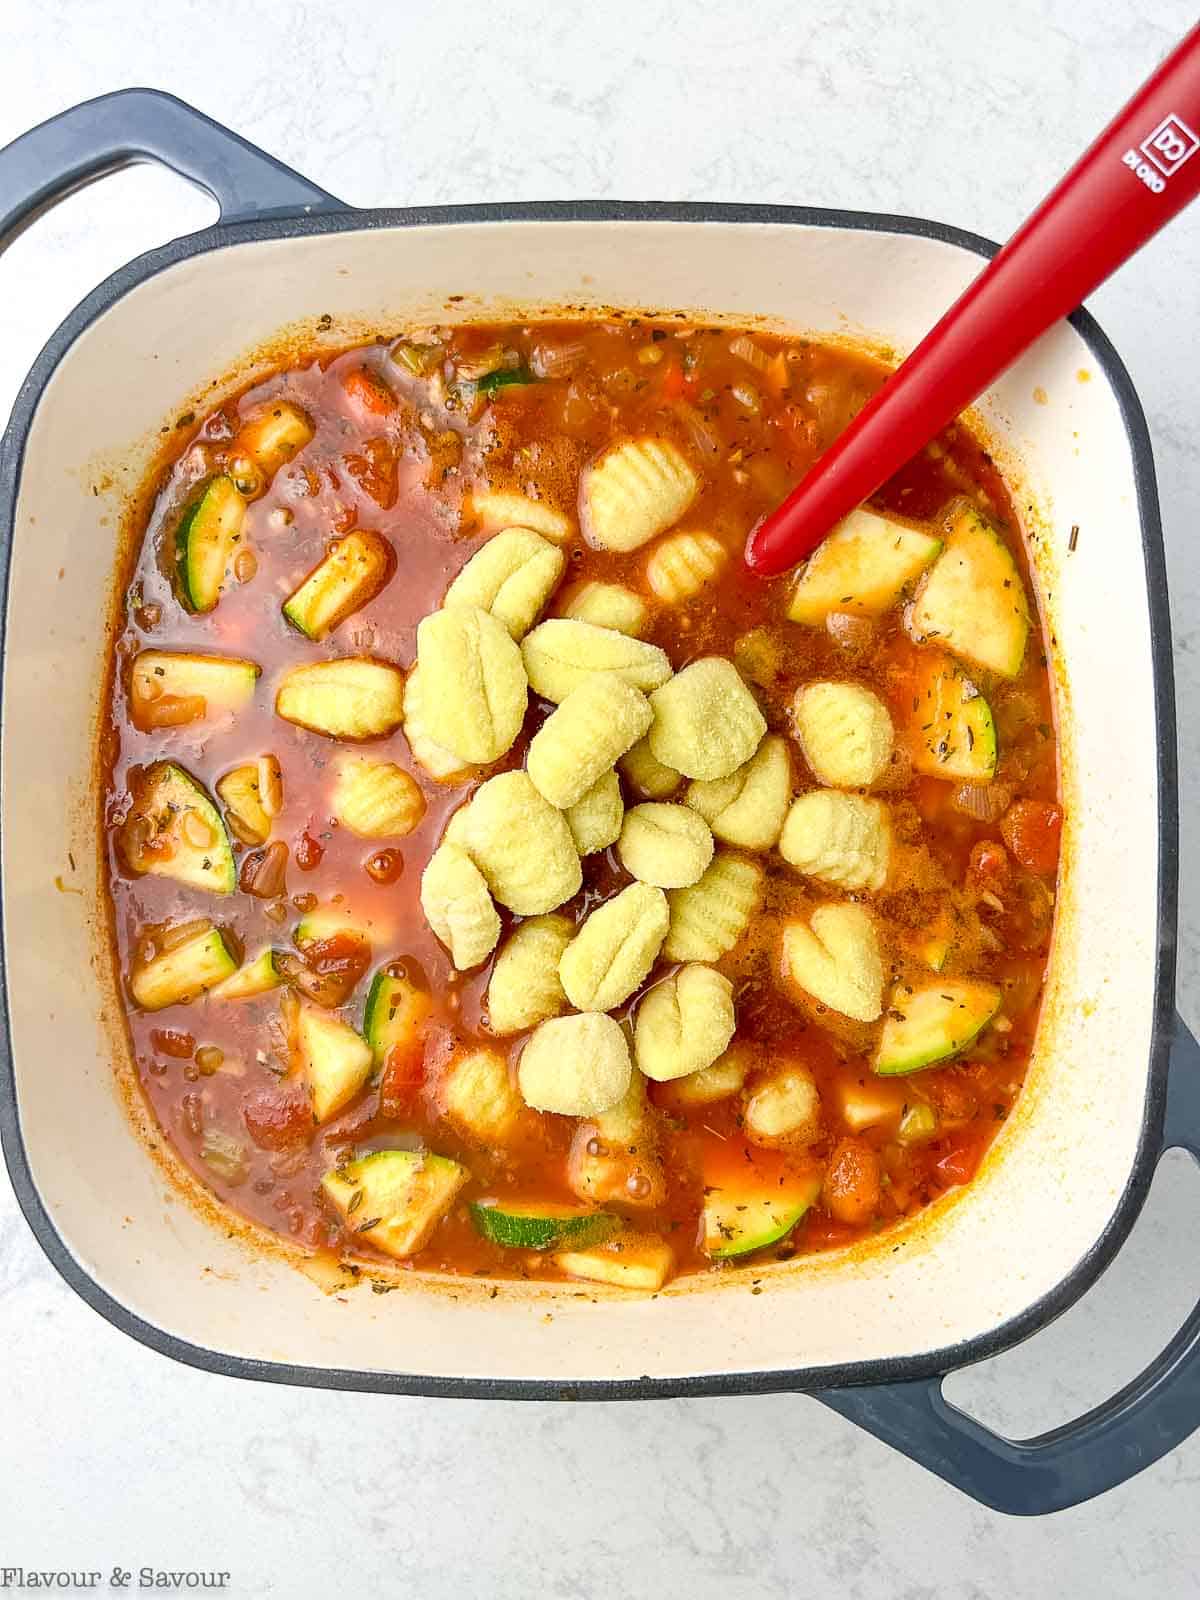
(403, 475)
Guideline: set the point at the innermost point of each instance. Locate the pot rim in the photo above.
(929, 1364)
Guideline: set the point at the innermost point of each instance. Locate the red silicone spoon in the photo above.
(1142, 169)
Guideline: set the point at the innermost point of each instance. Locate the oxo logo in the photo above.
(1170, 145)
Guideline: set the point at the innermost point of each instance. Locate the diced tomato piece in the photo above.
(989, 869)
(369, 391)
(403, 1077)
(276, 1118)
(958, 1166)
(852, 1182)
(1032, 830)
(308, 852)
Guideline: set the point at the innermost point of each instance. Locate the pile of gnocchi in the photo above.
(703, 918)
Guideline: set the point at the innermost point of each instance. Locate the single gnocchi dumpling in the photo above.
(479, 1098)
(576, 1066)
(711, 916)
(840, 838)
(665, 844)
(512, 576)
(586, 736)
(608, 605)
(635, 490)
(560, 654)
(458, 906)
(441, 764)
(525, 987)
(784, 1108)
(521, 844)
(684, 1023)
(376, 799)
(725, 1078)
(684, 563)
(500, 508)
(706, 721)
(614, 1159)
(835, 958)
(845, 732)
(648, 777)
(473, 687)
(595, 818)
(615, 948)
(748, 807)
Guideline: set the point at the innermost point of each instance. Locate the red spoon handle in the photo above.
(1142, 169)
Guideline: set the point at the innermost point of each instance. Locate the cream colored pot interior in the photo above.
(1057, 1172)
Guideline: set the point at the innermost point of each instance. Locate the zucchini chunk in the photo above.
(632, 1261)
(350, 698)
(749, 1213)
(952, 731)
(973, 600)
(205, 542)
(167, 690)
(541, 1225)
(352, 573)
(334, 1060)
(272, 436)
(178, 976)
(256, 977)
(252, 795)
(394, 1198)
(394, 1013)
(862, 568)
(173, 830)
(934, 1023)
(325, 922)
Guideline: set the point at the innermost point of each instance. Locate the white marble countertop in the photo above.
(116, 1456)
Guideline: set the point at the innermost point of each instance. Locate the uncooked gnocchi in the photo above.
(577, 1066)
(458, 906)
(612, 954)
(560, 654)
(841, 838)
(613, 1158)
(608, 605)
(375, 799)
(648, 777)
(684, 563)
(709, 917)
(684, 1023)
(665, 844)
(636, 489)
(595, 818)
(835, 957)
(784, 1108)
(748, 807)
(588, 733)
(725, 1078)
(497, 509)
(478, 1097)
(520, 843)
(442, 764)
(845, 732)
(473, 688)
(525, 987)
(512, 576)
(706, 721)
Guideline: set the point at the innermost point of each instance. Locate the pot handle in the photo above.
(1130, 1431)
(97, 137)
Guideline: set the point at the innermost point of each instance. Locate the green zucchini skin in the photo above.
(528, 1227)
(206, 540)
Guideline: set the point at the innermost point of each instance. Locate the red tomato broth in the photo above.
(393, 471)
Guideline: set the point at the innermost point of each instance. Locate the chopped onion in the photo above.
(746, 396)
(225, 1155)
(172, 938)
(699, 431)
(850, 632)
(986, 802)
(746, 350)
(557, 360)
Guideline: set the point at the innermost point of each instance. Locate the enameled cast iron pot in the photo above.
(1115, 1078)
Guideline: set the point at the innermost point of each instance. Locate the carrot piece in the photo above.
(1032, 830)
(403, 1077)
(369, 391)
